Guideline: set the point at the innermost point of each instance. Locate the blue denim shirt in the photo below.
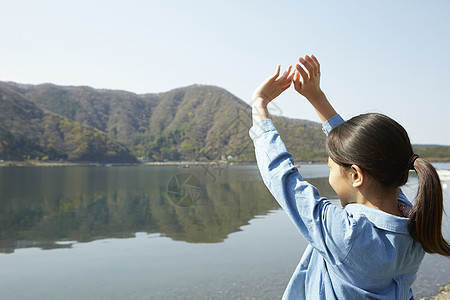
(356, 252)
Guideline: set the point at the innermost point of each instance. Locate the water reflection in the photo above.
(50, 207)
(61, 207)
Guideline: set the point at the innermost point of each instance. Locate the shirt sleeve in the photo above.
(332, 123)
(325, 226)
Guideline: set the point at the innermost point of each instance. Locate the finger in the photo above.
(317, 63)
(291, 76)
(308, 63)
(286, 74)
(302, 72)
(313, 64)
(288, 70)
(296, 80)
(287, 77)
(285, 87)
(296, 76)
(276, 74)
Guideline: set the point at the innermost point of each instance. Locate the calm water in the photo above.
(156, 232)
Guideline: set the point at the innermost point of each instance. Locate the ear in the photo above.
(357, 176)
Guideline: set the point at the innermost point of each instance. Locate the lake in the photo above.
(158, 232)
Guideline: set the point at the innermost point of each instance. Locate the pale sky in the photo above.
(382, 56)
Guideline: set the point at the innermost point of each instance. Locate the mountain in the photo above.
(197, 122)
(28, 132)
(434, 153)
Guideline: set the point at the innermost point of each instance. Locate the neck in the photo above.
(382, 199)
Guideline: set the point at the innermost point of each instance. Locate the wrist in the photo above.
(259, 111)
(317, 96)
(322, 106)
(259, 102)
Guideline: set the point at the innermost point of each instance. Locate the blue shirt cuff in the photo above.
(261, 127)
(332, 123)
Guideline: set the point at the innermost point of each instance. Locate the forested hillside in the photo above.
(29, 132)
(193, 123)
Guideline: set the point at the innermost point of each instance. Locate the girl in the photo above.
(373, 246)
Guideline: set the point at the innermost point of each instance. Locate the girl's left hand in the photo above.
(272, 87)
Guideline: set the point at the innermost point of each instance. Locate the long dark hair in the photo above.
(381, 147)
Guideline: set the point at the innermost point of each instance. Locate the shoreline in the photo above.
(443, 174)
(444, 294)
(36, 163)
(33, 163)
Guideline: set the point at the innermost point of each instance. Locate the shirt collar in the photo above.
(380, 219)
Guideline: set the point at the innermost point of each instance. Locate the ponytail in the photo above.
(425, 220)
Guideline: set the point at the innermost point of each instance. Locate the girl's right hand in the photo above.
(307, 83)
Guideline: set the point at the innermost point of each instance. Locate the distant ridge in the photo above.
(193, 123)
(429, 146)
(434, 153)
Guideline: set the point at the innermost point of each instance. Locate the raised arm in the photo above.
(307, 83)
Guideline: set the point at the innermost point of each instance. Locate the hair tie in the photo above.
(412, 160)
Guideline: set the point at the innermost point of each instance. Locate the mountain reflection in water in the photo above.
(158, 232)
(42, 206)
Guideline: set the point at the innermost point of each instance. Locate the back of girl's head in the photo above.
(381, 147)
(377, 144)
